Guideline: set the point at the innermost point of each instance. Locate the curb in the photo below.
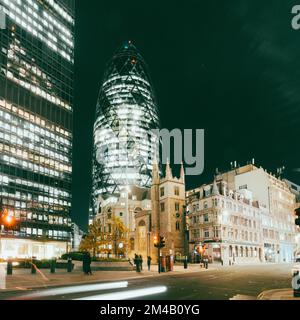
(277, 294)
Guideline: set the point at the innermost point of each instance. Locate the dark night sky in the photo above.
(230, 67)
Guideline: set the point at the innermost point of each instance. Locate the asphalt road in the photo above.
(222, 283)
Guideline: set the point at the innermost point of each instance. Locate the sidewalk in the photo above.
(22, 280)
(277, 294)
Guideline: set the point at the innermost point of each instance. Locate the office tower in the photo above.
(126, 114)
(36, 105)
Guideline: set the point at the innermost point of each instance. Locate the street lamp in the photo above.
(128, 191)
(186, 237)
(6, 220)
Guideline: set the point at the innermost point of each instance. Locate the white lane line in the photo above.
(124, 295)
(76, 289)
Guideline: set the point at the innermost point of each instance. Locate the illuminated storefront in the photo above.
(26, 249)
(36, 98)
(126, 113)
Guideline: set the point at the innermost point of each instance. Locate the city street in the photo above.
(219, 283)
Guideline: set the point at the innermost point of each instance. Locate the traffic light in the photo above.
(155, 241)
(297, 213)
(162, 242)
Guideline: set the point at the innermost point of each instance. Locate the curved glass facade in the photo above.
(126, 112)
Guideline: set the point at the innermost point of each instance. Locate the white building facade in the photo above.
(224, 225)
(277, 203)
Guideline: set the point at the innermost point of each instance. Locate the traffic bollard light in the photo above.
(33, 266)
(52, 266)
(185, 263)
(69, 265)
(9, 269)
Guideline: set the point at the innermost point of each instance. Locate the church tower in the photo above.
(168, 201)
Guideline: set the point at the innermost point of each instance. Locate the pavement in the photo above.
(23, 280)
(278, 294)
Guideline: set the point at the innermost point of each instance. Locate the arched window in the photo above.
(131, 244)
(236, 251)
(242, 251)
(142, 223)
(137, 209)
(178, 226)
(247, 252)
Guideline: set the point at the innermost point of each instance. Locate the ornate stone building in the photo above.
(224, 224)
(147, 213)
(274, 196)
(246, 215)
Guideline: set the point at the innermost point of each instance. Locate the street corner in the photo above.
(277, 294)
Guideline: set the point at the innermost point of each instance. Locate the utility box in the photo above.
(170, 263)
(163, 264)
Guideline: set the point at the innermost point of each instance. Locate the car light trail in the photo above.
(127, 294)
(75, 289)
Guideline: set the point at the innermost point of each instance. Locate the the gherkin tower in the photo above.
(125, 144)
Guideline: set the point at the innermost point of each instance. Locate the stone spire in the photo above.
(182, 173)
(215, 189)
(168, 171)
(155, 171)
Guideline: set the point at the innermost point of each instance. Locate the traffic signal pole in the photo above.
(159, 244)
(158, 253)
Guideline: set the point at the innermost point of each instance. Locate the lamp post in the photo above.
(6, 220)
(1, 214)
(127, 206)
(186, 238)
(128, 191)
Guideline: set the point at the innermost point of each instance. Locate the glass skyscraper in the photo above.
(36, 99)
(124, 143)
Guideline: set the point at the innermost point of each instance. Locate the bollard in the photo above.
(69, 265)
(52, 266)
(33, 266)
(9, 269)
(185, 263)
(296, 284)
